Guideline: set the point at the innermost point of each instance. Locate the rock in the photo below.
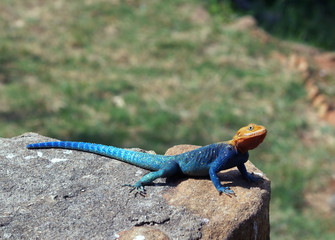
(143, 233)
(67, 194)
(245, 216)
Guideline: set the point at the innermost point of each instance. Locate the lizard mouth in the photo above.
(256, 133)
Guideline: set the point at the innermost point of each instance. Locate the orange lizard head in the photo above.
(249, 137)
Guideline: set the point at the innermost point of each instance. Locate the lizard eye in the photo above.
(250, 128)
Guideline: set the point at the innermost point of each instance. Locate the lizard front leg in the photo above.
(216, 167)
(166, 171)
(216, 181)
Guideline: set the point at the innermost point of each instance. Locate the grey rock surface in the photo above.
(63, 194)
(68, 194)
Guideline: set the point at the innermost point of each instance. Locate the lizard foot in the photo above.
(227, 191)
(139, 189)
(254, 178)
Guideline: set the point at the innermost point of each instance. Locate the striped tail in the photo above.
(144, 160)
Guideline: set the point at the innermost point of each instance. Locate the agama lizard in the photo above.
(203, 161)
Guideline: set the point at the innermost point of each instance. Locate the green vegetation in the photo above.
(307, 21)
(160, 73)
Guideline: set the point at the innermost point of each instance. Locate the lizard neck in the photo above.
(236, 146)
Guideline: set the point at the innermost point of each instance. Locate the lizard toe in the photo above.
(139, 189)
(227, 191)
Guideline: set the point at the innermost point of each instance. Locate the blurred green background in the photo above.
(153, 74)
(309, 21)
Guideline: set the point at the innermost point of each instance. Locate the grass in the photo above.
(306, 21)
(157, 74)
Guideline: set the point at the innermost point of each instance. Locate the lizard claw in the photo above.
(139, 189)
(227, 191)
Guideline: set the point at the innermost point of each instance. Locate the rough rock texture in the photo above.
(63, 194)
(245, 216)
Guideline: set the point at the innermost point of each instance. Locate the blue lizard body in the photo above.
(203, 161)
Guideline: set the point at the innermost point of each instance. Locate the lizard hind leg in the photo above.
(167, 170)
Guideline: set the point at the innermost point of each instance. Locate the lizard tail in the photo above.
(144, 160)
